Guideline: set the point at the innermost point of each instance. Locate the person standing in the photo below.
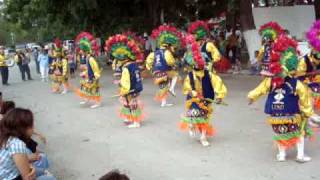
(23, 64)
(43, 61)
(35, 54)
(3, 68)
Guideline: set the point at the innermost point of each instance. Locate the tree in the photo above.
(317, 8)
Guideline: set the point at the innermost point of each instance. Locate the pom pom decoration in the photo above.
(271, 30)
(94, 47)
(284, 59)
(167, 34)
(57, 43)
(133, 36)
(313, 36)
(199, 28)
(194, 57)
(122, 48)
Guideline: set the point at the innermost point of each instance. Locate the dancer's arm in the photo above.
(95, 68)
(149, 61)
(215, 54)
(305, 99)
(169, 58)
(125, 82)
(261, 90)
(302, 68)
(218, 86)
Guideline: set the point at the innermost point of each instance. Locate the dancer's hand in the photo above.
(194, 93)
(218, 101)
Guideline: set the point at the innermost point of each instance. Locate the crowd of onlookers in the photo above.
(20, 156)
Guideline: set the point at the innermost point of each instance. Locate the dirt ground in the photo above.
(84, 144)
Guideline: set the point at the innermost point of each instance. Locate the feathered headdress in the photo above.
(271, 30)
(57, 47)
(199, 28)
(313, 36)
(122, 48)
(167, 34)
(193, 57)
(87, 42)
(133, 36)
(284, 58)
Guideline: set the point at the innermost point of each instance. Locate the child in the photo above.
(128, 52)
(90, 71)
(202, 88)
(288, 103)
(162, 63)
(254, 69)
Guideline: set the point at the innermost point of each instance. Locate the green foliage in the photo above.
(47, 19)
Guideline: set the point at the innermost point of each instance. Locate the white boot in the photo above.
(281, 156)
(192, 132)
(65, 90)
(165, 104)
(134, 125)
(173, 85)
(96, 105)
(301, 157)
(84, 102)
(203, 139)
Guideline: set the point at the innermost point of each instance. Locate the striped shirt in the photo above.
(8, 169)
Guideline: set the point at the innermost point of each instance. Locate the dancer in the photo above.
(130, 86)
(309, 66)
(288, 103)
(209, 51)
(60, 69)
(162, 62)
(90, 72)
(202, 88)
(269, 32)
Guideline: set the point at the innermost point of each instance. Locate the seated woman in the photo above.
(15, 128)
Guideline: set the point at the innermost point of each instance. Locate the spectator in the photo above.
(4, 68)
(23, 63)
(15, 128)
(114, 175)
(232, 45)
(222, 43)
(35, 54)
(43, 60)
(254, 69)
(72, 62)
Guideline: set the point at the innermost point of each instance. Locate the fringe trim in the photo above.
(210, 131)
(132, 116)
(84, 95)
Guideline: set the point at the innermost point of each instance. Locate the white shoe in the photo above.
(281, 158)
(166, 105)
(204, 142)
(192, 134)
(134, 125)
(83, 102)
(303, 159)
(95, 106)
(64, 92)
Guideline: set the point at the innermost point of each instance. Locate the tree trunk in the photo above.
(246, 16)
(317, 8)
(250, 34)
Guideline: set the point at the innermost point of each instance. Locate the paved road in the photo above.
(85, 144)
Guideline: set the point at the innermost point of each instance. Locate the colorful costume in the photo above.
(90, 71)
(288, 103)
(202, 88)
(269, 33)
(128, 52)
(59, 68)
(209, 51)
(162, 62)
(309, 66)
